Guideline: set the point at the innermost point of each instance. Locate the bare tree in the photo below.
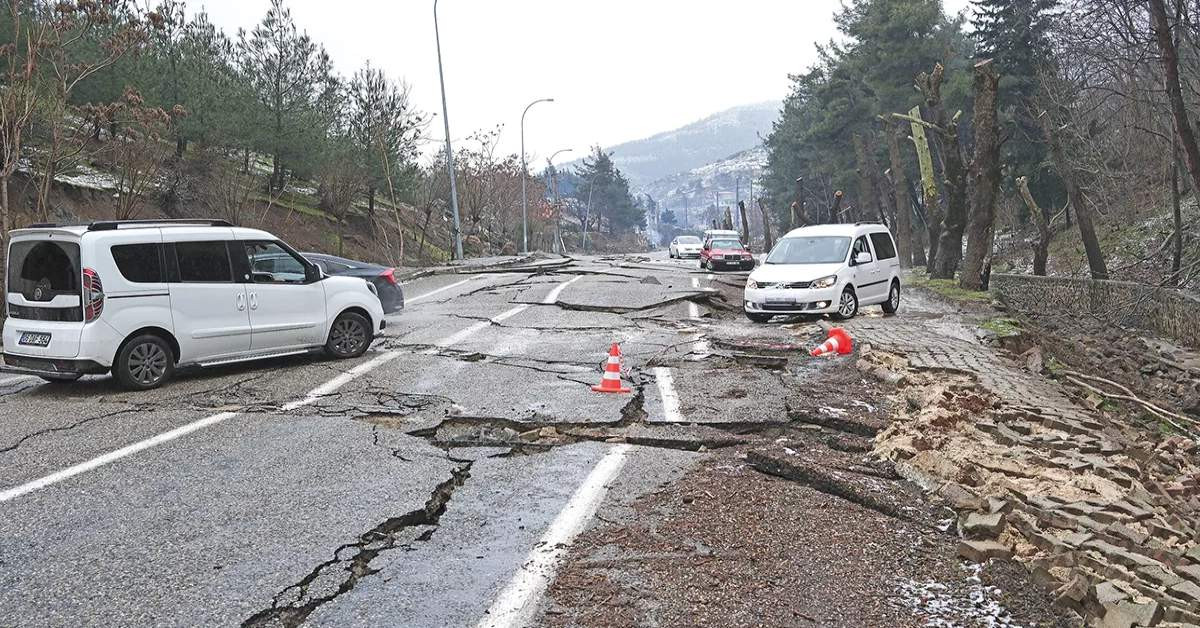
(903, 226)
(18, 99)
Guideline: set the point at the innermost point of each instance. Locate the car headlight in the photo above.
(824, 282)
(751, 284)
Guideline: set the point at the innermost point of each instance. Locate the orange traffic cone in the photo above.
(611, 382)
(838, 341)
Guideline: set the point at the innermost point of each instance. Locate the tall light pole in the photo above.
(524, 200)
(557, 201)
(458, 251)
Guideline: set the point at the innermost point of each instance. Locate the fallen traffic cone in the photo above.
(838, 341)
(611, 382)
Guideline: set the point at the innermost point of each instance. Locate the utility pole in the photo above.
(458, 250)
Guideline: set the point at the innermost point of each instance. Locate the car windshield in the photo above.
(810, 250)
(687, 240)
(726, 244)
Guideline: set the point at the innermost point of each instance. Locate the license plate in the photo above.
(35, 339)
(778, 301)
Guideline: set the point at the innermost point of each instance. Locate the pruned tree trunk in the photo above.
(985, 174)
(836, 210)
(949, 252)
(745, 222)
(868, 204)
(930, 86)
(903, 224)
(769, 240)
(1041, 247)
(1075, 197)
(1169, 54)
(796, 218)
(1177, 215)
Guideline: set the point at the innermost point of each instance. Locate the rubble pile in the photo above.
(1105, 516)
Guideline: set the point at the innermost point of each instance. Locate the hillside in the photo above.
(703, 142)
(694, 190)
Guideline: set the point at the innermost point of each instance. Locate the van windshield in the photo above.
(810, 250)
(687, 240)
(43, 269)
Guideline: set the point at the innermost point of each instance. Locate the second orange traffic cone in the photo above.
(838, 341)
(611, 381)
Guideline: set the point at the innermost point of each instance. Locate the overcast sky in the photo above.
(618, 69)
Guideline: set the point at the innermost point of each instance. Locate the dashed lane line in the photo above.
(438, 291)
(517, 602)
(312, 396)
(515, 605)
(552, 298)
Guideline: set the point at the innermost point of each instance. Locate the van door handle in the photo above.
(241, 302)
(254, 300)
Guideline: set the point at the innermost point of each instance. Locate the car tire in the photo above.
(893, 302)
(847, 305)
(349, 336)
(144, 362)
(712, 268)
(758, 318)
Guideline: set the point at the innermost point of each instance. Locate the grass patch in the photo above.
(1003, 327)
(948, 288)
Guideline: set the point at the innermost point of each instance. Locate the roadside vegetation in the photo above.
(1036, 136)
(113, 109)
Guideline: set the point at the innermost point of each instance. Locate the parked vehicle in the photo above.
(685, 246)
(724, 252)
(141, 298)
(391, 296)
(826, 269)
(721, 233)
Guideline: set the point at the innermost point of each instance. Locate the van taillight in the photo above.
(93, 295)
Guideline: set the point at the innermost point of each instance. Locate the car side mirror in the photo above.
(313, 273)
(862, 257)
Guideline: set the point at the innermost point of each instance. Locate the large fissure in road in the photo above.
(352, 562)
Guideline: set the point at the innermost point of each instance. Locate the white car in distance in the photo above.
(685, 246)
(826, 269)
(141, 298)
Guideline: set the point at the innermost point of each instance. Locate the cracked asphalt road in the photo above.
(404, 488)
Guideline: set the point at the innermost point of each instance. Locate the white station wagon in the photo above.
(140, 298)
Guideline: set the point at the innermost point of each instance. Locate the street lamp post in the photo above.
(524, 199)
(458, 250)
(557, 201)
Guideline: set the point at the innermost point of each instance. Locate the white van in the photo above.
(140, 298)
(826, 269)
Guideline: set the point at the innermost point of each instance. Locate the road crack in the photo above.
(352, 562)
(66, 428)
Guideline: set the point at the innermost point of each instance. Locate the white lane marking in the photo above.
(519, 599)
(553, 296)
(666, 390)
(458, 337)
(439, 290)
(183, 430)
(693, 309)
(320, 391)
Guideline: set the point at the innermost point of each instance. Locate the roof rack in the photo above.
(112, 225)
(867, 222)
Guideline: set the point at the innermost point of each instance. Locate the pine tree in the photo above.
(1015, 34)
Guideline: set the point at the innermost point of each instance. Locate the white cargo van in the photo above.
(826, 269)
(140, 298)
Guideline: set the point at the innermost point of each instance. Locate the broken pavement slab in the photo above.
(983, 551)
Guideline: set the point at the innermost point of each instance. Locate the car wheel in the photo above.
(847, 305)
(758, 318)
(893, 302)
(60, 379)
(711, 266)
(144, 362)
(349, 337)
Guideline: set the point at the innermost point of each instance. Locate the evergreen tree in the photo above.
(602, 182)
(385, 129)
(1015, 34)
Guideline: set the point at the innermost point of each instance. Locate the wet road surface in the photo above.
(432, 482)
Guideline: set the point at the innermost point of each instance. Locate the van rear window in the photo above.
(884, 249)
(42, 269)
(139, 263)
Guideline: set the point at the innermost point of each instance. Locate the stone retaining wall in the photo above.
(1166, 311)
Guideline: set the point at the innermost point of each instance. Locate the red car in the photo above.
(725, 252)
